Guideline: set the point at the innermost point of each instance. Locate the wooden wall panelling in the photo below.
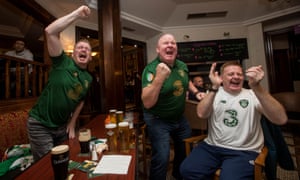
(111, 72)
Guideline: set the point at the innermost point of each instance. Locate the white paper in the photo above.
(113, 164)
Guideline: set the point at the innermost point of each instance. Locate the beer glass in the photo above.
(119, 116)
(111, 135)
(112, 115)
(84, 140)
(60, 161)
(124, 136)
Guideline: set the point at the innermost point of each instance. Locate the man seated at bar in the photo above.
(54, 115)
(235, 136)
(198, 82)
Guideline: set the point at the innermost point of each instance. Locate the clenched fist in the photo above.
(162, 71)
(83, 11)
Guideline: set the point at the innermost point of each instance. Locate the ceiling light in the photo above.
(207, 15)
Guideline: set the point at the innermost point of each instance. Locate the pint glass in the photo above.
(111, 135)
(124, 136)
(60, 161)
(84, 140)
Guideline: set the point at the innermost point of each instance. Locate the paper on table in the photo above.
(113, 164)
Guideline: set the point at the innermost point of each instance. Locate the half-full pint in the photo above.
(84, 140)
(60, 161)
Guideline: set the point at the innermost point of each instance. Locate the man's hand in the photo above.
(214, 77)
(71, 131)
(200, 95)
(162, 72)
(255, 74)
(83, 11)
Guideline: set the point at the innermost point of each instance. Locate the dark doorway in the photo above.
(282, 65)
(134, 61)
(282, 50)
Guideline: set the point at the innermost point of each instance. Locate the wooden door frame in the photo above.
(270, 57)
(142, 62)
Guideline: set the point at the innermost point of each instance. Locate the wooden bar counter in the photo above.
(42, 169)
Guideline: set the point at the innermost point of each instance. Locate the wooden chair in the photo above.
(190, 114)
(291, 103)
(259, 162)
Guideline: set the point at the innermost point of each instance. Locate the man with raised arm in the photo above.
(235, 136)
(53, 118)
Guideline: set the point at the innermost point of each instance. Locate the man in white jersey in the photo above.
(235, 136)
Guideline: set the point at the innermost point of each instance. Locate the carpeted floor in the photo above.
(292, 137)
(284, 174)
(291, 133)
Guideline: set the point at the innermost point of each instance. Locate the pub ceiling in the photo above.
(146, 18)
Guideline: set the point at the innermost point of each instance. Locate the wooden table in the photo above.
(42, 169)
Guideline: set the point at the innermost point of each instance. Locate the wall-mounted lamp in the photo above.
(94, 53)
(186, 37)
(226, 34)
(69, 52)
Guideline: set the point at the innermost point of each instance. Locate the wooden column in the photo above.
(111, 71)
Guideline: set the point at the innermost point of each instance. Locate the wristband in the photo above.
(213, 90)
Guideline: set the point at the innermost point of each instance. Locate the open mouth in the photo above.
(235, 83)
(169, 52)
(82, 56)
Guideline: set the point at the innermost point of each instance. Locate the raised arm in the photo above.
(204, 108)
(54, 29)
(270, 107)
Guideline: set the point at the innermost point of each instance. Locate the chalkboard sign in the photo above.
(216, 50)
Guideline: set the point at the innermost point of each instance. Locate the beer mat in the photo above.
(87, 166)
(73, 164)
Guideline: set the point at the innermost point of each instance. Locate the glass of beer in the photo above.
(112, 115)
(124, 136)
(84, 140)
(60, 161)
(120, 116)
(112, 135)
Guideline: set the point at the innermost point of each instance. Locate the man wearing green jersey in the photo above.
(165, 82)
(53, 118)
